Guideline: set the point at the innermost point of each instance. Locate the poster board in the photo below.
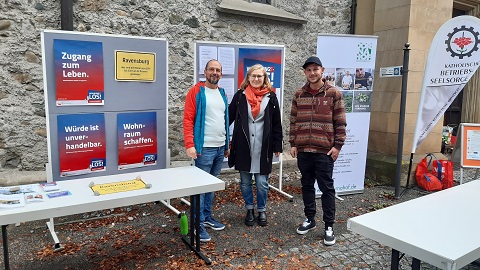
(341, 56)
(235, 59)
(467, 146)
(106, 103)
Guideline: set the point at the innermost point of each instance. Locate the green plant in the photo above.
(347, 99)
(362, 97)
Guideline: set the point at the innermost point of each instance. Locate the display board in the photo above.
(349, 62)
(106, 103)
(236, 59)
(470, 145)
(467, 146)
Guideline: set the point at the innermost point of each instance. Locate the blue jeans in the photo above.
(246, 186)
(210, 160)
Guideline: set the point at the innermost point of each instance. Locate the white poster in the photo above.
(350, 68)
(452, 60)
(473, 144)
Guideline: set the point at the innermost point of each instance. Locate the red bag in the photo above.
(446, 172)
(425, 178)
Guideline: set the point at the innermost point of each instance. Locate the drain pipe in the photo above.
(67, 14)
(352, 16)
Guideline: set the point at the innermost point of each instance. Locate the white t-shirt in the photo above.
(214, 119)
(346, 80)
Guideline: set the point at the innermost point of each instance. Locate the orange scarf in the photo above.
(254, 97)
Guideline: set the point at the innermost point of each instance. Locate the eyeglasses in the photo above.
(212, 69)
(256, 76)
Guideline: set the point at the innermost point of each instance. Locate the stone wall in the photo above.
(23, 143)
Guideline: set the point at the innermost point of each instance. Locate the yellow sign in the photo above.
(134, 66)
(122, 186)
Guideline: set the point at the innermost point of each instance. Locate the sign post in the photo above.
(395, 71)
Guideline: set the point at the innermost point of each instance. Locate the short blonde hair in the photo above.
(266, 80)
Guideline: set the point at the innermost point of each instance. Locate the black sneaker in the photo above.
(306, 226)
(329, 239)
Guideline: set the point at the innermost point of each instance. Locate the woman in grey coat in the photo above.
(257, 135)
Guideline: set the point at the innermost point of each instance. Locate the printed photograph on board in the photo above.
(329, 76)
(348, 100)
(344, 78)
(362, 101)
(363, 78)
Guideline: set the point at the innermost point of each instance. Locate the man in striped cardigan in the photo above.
(317, 134)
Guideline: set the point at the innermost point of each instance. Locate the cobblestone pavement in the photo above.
(353, 251)
(356, 252)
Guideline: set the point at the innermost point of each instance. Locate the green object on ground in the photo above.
(183, 223)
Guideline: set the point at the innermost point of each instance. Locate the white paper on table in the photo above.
(12, 201)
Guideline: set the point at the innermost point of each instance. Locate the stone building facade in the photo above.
(396, 23)
(23, 142)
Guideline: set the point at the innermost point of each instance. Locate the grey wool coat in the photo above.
(242, 139)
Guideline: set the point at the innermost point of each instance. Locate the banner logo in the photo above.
(94, 96)
(365, 51)
(462, 42)
(97, 164)
(149, 159)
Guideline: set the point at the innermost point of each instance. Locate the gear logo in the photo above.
(462, 42)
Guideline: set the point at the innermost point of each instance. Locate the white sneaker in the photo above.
(306, 226)
(329, 239)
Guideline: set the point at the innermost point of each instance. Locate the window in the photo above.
(269, 2)
(251, 8)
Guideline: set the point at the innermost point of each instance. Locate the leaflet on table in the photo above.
(137, 139)
(50, 186)
(81, 143)
(57, 194)
(19, 189)
(34, 197)
(31, 192)
(12, 201)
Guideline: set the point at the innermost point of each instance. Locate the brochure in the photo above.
(34, 197)
(50, 186)
(19, 189)
(12, 201)
(58, 194)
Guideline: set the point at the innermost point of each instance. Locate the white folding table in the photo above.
(165, 184)
(442, 228)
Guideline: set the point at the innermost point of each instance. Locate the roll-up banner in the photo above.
(350, 67)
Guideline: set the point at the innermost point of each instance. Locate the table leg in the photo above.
(192, 221)
(5, 247)
(194, 242)
(197, 221)
(415, 264)
(395, 259)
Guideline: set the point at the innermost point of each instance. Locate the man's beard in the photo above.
(316, 81)
(213, 81)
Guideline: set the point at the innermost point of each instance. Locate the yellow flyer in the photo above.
(122, 186)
